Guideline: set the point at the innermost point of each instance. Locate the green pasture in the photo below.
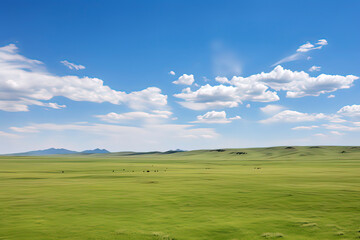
(295, 193)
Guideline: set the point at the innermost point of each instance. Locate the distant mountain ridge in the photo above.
(55, 151)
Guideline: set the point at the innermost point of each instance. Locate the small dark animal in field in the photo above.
(289, 148)
(343, 152)
(241, 153)
(218, 150)
(147, 171)
(62, 171)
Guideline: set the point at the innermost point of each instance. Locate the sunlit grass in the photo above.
(277, 193)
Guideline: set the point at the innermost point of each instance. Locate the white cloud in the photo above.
(300, 52)
(256, 88)
(350, 111)
(337, 133)
(315, 68)
(148, 98)
(27, 129)
(308, 47)
(222, 80)
(21, 105)
(300, 84)
(185, 79)
(272, 109)
(8, 135)
(207, 96)
(25, 82)
(341, 127)
(172, 73)
(305, 127)
(331, 96)
(322, 42)
(294, 116)
(215, 117)
(320, 135)
(248, 105)
(133, 116)
(72, 66)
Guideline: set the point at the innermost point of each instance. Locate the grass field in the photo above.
(268, 193)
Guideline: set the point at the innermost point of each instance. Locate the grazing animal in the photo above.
(240, 153)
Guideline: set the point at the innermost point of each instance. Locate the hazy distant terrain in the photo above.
(56, 151)
(292, 193)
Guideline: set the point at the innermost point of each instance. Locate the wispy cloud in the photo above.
(225, 61)
(72, 66)
(314, 69)
(272, 109)
(302, 50)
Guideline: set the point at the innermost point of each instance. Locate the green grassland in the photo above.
(269, 193)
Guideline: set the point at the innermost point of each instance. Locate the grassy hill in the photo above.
(261, 193)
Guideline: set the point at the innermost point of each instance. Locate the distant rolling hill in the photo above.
(55, 151)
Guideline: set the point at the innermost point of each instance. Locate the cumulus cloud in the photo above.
(215, 117)
(350, 111)
(315, 68)
(294, 116)
(185, 79)
(172, 73)
(272, 109)
(133, 116)
(331, 96)
(300, 84)
(207, 96)
(300, 52)
(257, 87)
(72, 66)
(222, 80)
(25, 82)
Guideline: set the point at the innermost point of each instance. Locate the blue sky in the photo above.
(159, 75)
